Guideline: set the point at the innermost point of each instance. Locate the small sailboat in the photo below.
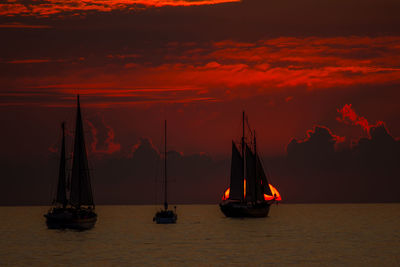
(165, 215)
(249, 188)
(79, 211)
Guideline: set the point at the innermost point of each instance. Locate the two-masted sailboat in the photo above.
(165, 215)
(77, 212)
(248, 182)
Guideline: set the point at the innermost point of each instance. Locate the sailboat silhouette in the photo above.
(77, 212)
(248, 182)
(165, 216)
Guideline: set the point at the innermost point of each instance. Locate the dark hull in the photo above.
(165, 217)
(67, 219)
(240, 210)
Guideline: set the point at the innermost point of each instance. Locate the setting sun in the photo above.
(266, 197)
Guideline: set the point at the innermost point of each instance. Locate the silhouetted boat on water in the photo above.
(165, 215)
(247, 195)
(77, 212)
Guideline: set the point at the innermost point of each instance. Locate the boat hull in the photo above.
(165, 220)
(67, 219)
(241, 210)
(165, 217)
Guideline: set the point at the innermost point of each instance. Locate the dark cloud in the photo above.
(138, 178)
(380, 152)
(130, 178)
(312, 171)
(365, 172)
(318, 147)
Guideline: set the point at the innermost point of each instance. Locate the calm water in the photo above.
(307, 234)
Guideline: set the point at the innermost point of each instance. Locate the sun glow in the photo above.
(275, 193)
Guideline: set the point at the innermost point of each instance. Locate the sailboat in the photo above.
(248, 182)
(77, 212)
(165, 215)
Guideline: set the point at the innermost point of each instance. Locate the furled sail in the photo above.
(236, 188)
(81, 190)
(264, 189)
(250, 175)
(61, 186)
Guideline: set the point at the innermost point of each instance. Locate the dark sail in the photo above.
(264, 182)
(236, 188)
(81, 190)
(250, 175)
(61, 187)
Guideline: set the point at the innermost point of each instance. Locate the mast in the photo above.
(243, 158)
(79, 118)
(165, 166)
(255, 166)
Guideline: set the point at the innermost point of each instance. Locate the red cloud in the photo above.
(144, 142)
(320, 139)
(29, 61)
(110, 146)
(349, 116)
(24, 26)
(289, 98)
(227, 70)
(51, 7)
(52, 149)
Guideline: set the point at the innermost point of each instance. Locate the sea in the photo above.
(292, 235)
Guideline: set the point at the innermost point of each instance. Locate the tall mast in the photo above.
(255, 165)
(255, 146)
(243, 158)
(63, 167)
(243, 146)
(78, 119)
(165, 167)
(243, 138)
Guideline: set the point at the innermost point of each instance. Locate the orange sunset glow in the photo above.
(275, 194)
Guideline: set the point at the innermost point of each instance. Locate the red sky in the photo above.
(55, 7)
(290, 64)
(202, 62)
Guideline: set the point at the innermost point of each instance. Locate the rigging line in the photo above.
(52, 191)
(237, 139)
(163, 138)
(91, 177)
(157, 170)
(265, 166)
(165, 167)
(251, 136)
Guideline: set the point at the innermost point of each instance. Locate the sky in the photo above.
(309, 74)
